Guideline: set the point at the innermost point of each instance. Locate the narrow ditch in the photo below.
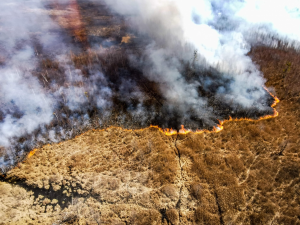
(164, 216)
(219, 208)
(178, 204)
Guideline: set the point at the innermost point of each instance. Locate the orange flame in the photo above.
(31, 153)
(184, 131)
(166, 131)
(219, 127)
(276, 100)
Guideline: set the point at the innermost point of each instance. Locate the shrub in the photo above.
(113, 184)
(145, 217)
(196, 190)
(254, 131)
(46, 201)
(70, 218)
(204, 217)
(173, 216)
(169, 191)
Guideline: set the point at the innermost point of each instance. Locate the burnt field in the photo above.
(246, 174)
(83, 151)
(101, 76)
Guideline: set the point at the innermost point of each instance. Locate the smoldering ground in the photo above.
(64, 69)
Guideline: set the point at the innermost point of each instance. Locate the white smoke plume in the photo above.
(28, 35)
(219, 31)
(25, 105)
(186, 40)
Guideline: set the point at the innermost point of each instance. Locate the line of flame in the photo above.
(216, 129)
(219, 127)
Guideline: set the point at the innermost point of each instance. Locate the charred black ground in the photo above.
(123, 78)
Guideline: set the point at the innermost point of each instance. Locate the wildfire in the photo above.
(31, 153)
(220, 126)
(216, 129)
(166, 131)
(276, 100)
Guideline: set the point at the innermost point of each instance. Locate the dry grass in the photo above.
(172, 215)
(246, 174)
(110, 166)
(226, 177)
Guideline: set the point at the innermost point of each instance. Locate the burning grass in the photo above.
(225, 176)
(246, 174)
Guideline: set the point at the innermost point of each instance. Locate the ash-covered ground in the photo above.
(70, 66)
(76, 65)
(246, 174)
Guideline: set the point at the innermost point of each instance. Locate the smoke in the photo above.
(219, 31)
(191, 66)
(24, 105)
(37, 78)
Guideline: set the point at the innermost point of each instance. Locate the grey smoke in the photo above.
(210, 35)
(26, 27)
(20, 92)
(221, 31)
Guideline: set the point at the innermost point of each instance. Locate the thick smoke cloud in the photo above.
(24, 105)
(194, 53)
(219, 31)
(29, 100)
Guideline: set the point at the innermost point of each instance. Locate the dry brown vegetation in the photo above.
(246, 174)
